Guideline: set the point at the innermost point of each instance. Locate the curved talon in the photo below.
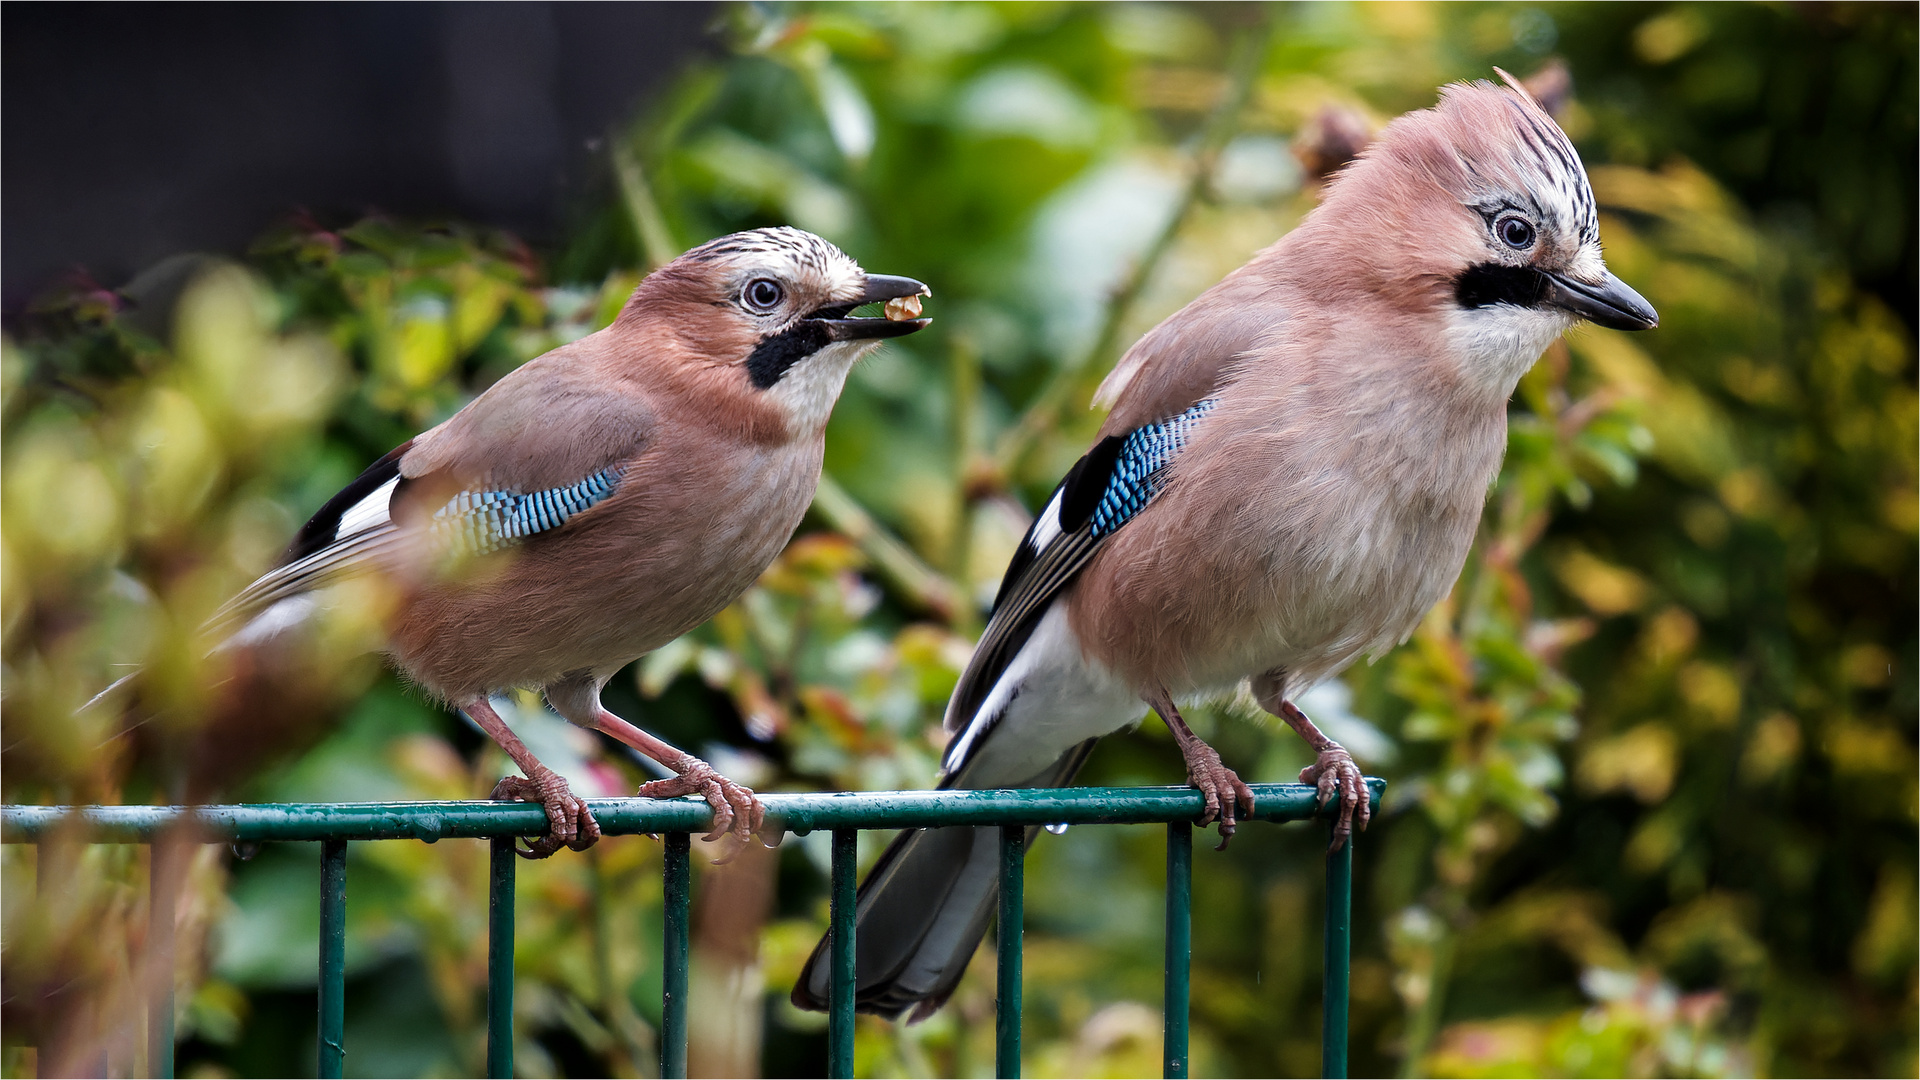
(569, 823)
(1334, 772)
(1227, 798)
(536, 849)
(735, 809)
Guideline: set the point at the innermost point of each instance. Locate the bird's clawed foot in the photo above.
(1228, 800)
(735, 810)
(569, 822)
(1334, 772)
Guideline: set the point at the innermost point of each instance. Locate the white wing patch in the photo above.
(1046, 527)
(370, 512)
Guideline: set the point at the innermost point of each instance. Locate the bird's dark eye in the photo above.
(1515, 232)
(764, 294)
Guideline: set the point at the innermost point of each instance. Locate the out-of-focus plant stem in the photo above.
(657, 245)
(1077, 379)
(603, 989)
(919, 584)
(1425, 1021)
(963, 369)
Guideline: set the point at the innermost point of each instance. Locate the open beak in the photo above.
(880, 289)
(1611, 303)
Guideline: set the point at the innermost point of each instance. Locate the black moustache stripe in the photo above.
(774, 355)
(1492, 283)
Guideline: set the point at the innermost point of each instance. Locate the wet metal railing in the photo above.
(334, 826)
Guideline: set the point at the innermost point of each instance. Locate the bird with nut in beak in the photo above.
(600, 501)
(1290, 476)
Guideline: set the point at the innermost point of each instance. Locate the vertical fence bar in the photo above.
(841, 970)
(333, 957)
(500, 873)
(161, 889)
(1339, 953)
(1179, 944)
(678, 893)
(1006, 1013)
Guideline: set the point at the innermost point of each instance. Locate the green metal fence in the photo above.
(334, 826)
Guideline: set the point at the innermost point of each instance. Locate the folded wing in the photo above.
(1101, 493)
(500, 472)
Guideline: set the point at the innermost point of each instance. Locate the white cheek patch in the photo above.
(809, 388)
(1499, 342)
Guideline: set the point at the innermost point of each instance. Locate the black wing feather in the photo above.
(1034, 577)
(323, 527)
(1087, 481)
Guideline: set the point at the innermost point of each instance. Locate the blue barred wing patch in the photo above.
(478, 522)
(1141, 468)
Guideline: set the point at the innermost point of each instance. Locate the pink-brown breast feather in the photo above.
(1322, 506)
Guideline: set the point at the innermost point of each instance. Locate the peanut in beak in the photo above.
(902, 308)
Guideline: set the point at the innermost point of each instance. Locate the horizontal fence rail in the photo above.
(1014, 812)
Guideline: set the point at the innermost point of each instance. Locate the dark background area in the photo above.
(132, 132)
(1807, 119)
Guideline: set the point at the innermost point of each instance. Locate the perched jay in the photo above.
(1290, 476)
(601, 500)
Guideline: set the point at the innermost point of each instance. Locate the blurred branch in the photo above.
(963, 367)
(657, 246)
(1069, 384)
(920, 584)
(1424, 1023)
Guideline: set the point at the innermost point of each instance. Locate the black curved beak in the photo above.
(883, 287)
(880, 288)
(1612, 303)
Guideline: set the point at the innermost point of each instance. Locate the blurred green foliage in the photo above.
(1653, 778)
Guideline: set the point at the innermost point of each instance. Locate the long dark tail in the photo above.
(922, 911)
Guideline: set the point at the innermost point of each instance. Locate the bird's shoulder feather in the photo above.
(1191, 354)
(547, 424)
(547, 442)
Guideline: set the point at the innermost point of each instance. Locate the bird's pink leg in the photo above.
(1332, 766)
(1227, 798)
(735, 809)
(569, 822)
